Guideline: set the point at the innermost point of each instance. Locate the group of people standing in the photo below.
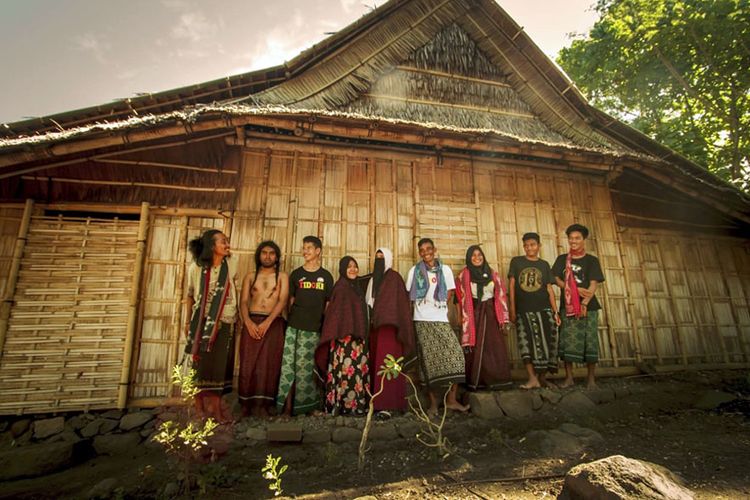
(326, 354)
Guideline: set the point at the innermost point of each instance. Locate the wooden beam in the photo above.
(15, 267)
(135, 289)
(139, 163)
(128, 184)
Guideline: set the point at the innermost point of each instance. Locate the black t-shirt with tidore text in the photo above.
(311, 290)
(585, 270)
(532, 278)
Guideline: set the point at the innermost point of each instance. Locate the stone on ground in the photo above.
(344, 434)
(41, 459)
(515, 404)
(256, 434)
(92, 428)
(108, 425)
(484, 405)
(709, 400)
(116, 444)
(19, 427)
(408, 430)
(103, 489)
(284, 432)
(550, 396)
(134, 420)
(553, 443)
(588, 437)
(48, 427)
(315, 436)
(575, 403)
(619, 477)
(383, 432)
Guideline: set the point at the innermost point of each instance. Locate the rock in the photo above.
(575, 403)
(588, 437)
(48, 427)
(383, 432)
(256, 434)
(515, 404)
(621, 392)
(536, 401)
(285, 432)
(340, 421)
(41, 459)
(24, 438)
(103, 489)
(711, 399)
(345, 434)
(484, 405)
(19, 427)
(600, 396)
(619, 477)
(113, 414)
(92, 428)
(116, 444)
(171, 490)
(66, 436)
(550, 396)
(108, 426)
(145, 432)
(553, 443)
(134, 420)
(408, 430)
(77, 422)
(150, 424)
(4, 426)
(314, 436)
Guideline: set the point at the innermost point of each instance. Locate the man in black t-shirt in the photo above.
(310, 289)
(578, 275)
(534, 311)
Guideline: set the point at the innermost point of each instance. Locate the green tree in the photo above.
(678, 70)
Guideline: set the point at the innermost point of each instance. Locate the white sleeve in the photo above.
(450, 283)
(409, 278)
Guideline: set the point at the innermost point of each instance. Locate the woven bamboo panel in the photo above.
(64, 349)
(162, 311)
(10, 220)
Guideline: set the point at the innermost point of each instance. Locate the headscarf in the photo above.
(480, 275)
(353, 283)
(380, 267)
(421, 282)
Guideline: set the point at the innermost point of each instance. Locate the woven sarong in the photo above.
(441, 359)
(214, 368)
(260, 364)
(537, 340)
(579, 339)
(298, 371)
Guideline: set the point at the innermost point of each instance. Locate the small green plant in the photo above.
(272, 472)
(432, 436)
(184, 440)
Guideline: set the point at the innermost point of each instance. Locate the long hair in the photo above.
(202, 248)
(277, 266)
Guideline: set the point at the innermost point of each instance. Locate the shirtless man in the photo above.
(264, 296)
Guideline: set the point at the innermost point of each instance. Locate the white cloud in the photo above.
(194, 26)
(95, 44)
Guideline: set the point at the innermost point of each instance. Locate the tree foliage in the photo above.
(678, 70)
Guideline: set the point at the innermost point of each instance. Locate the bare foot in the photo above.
(568, 382)
(457, 407)
(531, 384)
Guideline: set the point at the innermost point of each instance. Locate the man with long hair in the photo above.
(265, 292)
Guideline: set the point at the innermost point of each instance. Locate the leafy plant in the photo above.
(185, 439)
(273, 472)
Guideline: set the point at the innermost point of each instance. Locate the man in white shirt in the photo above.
(430, 285)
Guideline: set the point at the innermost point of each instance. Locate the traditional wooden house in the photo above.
(436, 118)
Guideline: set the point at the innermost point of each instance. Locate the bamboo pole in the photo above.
(651, 314)
(140, 163)
(735, 318)
(179, 291)
(720, 337)
(635, 338)
(673, 308)
(128, 184)
(133, 302)
(15, 267)
(394, 213)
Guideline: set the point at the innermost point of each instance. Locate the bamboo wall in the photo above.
(163, 311)
(65, 341)
(664, 300)
(10, 220)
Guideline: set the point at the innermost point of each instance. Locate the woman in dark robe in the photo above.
(483, 313)
(342, 353)
(212, 300)
(392, 328)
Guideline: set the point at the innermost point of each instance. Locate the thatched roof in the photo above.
(461, 65)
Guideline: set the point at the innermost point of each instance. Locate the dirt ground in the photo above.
(657, 422)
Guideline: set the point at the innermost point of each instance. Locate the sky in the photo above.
(58, 56)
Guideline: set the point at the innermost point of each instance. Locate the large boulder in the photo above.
(41, 459)
(516, 405)
(134, 420)
(48, 427)
(19, 427)
(621, 478)
(116, 444)
(383, 432)
(484, 405)
(575, 403)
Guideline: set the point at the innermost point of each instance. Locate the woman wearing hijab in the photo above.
(342, 352)
(483, 312)
(392, 328)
